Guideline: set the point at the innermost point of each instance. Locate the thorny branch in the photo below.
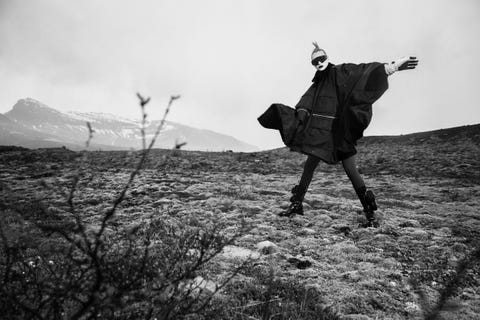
(89, 267)
(143, 103)
(90, 134)
(121, 196)
(449, 289)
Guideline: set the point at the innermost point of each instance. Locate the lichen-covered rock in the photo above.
(234, 252)
(267, 247)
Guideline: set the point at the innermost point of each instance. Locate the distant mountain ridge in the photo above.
(33, 124)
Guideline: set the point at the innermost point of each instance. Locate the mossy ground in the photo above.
(429, 213)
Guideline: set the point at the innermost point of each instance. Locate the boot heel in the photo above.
(294, 209)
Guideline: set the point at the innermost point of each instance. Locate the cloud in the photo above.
(231, 59)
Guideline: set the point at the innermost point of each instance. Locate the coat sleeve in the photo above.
(362, 84)
(365, 82)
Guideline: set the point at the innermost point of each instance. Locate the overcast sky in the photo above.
(230, 59)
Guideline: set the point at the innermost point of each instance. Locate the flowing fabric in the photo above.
(339, 107)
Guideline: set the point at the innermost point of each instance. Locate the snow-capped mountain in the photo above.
(33, 124)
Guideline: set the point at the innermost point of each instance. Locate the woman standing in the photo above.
(329, 119)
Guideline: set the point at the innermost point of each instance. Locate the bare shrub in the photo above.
(66, 269)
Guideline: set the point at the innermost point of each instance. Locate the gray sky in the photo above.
(231, 59)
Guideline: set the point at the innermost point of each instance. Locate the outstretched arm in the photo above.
(405, 63)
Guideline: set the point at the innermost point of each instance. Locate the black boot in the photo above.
(297, 195)
(367, 198)
(296, 206)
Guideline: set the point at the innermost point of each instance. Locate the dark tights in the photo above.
(348, 165)
(351, 170)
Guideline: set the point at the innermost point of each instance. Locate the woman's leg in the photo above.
(308, 169)
(367, 198)
(351, 170)
(299, 190)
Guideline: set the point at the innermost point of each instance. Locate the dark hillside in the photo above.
(469, 132)
(427, 187)
(451, 153)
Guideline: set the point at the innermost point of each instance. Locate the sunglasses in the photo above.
(319, 60)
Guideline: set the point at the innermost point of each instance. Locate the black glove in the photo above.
(406, 63)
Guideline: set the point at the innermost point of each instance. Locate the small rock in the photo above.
(422, 234)
(442, 233)
(253, 209)
(212, 202)
(206, 195)
(233, 252)
(299, 219)
(248, 238)
(307, 243)
(355, 317)
(162, 202)
(351, 275)
(411, 307)
(382, 238)
(323, 220)
(205, 284)
(445, 230)
(199, 284)
(344, 229)
(193, 253)
(267, 247)
(410, 223)
(308, 231)
(326, 212)
(300, 263)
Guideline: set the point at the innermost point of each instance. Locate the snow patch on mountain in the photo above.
(101, 117)
(34, 121)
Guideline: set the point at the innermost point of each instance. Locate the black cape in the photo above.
(338, 106)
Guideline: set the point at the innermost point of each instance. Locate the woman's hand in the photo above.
(302, 115)
(405, 63)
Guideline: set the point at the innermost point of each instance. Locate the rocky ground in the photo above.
(428, 192)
